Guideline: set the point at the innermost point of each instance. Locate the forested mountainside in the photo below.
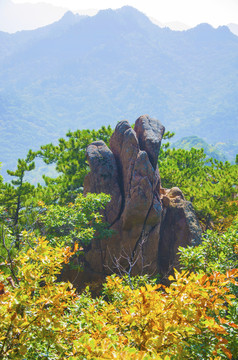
(189, 142)
(84, 72)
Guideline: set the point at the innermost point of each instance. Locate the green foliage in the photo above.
(74, 222)
(1, 179)
(210, 185)
(217, 252)
(195, 142)
(22, 209)
(73, 225)
(69, 157)
(16, 198)
(19, 200)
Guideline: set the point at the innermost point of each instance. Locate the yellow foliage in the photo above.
(157, 321)
(34, 310)
(151, 322)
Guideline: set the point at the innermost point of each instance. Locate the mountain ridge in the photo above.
(41, 14)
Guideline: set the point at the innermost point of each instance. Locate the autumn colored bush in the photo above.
(32, 310)
(42, 318)
(218, 252)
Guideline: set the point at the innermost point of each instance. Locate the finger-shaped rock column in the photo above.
(143, 216)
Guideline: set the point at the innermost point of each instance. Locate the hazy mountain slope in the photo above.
(189, 142)
(115, 65)
(10, 44)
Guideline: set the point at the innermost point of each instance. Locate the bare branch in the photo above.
(131, 258)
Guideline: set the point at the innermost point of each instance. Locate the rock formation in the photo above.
(149, 223)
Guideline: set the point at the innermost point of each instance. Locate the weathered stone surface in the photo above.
(149, 222)
(180, 227)
(103, 177)
(125, 147)
(150, 133)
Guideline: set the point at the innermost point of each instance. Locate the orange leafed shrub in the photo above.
(41, 315)
(33, 310)
(156, 321)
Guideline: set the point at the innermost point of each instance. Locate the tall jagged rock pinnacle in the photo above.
(149, 223)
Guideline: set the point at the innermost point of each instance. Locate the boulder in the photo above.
(179, 227)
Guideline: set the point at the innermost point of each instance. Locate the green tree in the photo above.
(69, 157)
(77, 222)
(210, 184)
(16, 198)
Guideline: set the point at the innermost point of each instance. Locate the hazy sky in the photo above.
(190, 12)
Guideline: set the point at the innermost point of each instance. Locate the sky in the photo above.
(189, 12)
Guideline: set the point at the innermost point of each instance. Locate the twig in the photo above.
(131, 258)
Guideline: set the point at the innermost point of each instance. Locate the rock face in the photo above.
(179, 227)
(149, 223)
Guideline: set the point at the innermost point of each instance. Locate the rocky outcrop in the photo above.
(149, 223)
(179, 227)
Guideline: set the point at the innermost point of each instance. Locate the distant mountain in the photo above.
(16, 17)
(178, 26)
(189, 142)
(84, 72)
